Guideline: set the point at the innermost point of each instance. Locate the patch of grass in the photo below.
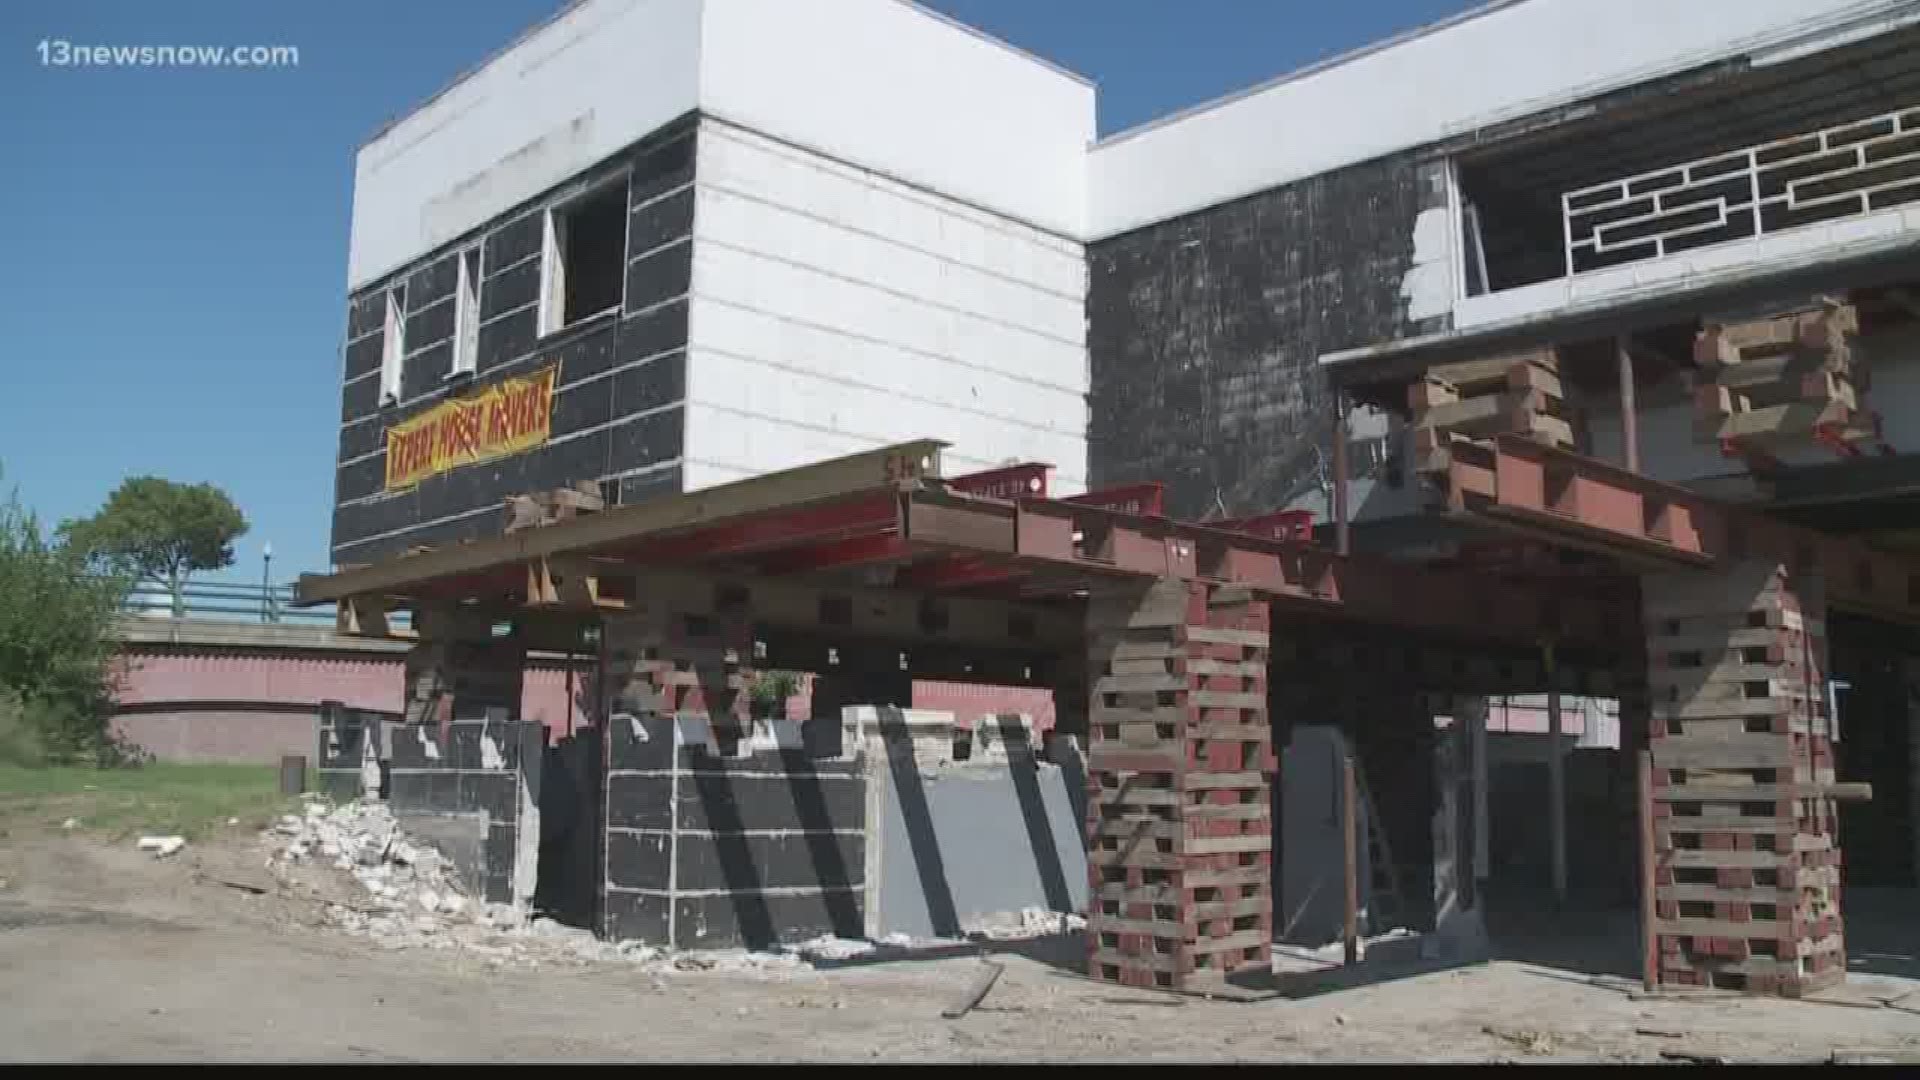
(158, 798)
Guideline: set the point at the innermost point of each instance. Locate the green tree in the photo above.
(770, 692)
(158, 530)
(56, 645)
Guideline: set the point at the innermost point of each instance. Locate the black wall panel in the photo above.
(508, 289)
(649, 439)
(667, 218)
(659, 276)
(361, 438)
(360, 397)
(506, 339)
(512, 240)
(363, 355)
(429, 325)
(660, 168)
(426, 370)
(593, 394)
(1204, 332)
(649, 385)
(432, 283)
(650, 485)
(366, 313)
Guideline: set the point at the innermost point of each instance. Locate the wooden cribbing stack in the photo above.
(539, 508)
(1747, 870)
(1780, 379)
(1180, 833)
(1512, 394)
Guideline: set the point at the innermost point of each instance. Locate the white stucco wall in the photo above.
(835, 309)
(902, 90)
(883, 83)
(562, 98)
(1500, 61)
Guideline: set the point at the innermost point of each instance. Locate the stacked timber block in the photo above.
(1780, 378)
(686, 656)
(540, 508)
(1747, 878)
(1512, 394)
(1180, 832)
(451, 678)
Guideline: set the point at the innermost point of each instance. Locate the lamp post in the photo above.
(266, 582)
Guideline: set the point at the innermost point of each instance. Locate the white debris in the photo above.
(162, 846)
(416, 901)
(1025, 923)
(827, 947)
(70, 823)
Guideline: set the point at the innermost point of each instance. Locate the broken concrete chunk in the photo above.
(162, 846)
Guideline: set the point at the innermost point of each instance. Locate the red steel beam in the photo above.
(1294, 525)
(960, 572)
(1024, 481)
(1148, 499)
(1515, 482)
(1098, 543)
(1028, 480)
(859, 516)
(869, 550)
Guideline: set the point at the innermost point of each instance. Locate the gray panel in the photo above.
(976, 840)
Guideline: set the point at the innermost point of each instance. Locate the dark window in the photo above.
(586, 266)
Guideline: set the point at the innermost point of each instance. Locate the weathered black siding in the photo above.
(619, 403)
(1204, 331)
(705, 851)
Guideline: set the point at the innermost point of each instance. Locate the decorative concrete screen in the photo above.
(1843, 171)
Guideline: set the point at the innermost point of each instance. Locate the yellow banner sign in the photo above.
(505, 418)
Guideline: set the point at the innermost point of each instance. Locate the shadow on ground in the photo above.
(1581, 943)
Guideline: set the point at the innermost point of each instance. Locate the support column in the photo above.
(1070, 698)
(1629, 410)
(1473, 711)
(1180, 844)
(1910, 686)
(1556, 779)
(683, 653)
(1747, 878)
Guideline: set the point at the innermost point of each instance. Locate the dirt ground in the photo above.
(107, 954)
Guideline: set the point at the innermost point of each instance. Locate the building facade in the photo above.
(717, 239)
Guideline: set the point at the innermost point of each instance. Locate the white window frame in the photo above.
(466, 312)
(393, 345)
(553, 251)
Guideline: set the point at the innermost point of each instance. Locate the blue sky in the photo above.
(173, 241)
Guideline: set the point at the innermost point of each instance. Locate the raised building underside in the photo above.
(1403, 383)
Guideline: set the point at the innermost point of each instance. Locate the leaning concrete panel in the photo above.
(960, 843)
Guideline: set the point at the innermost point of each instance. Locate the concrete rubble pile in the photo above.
(409, 897)
(413, 899)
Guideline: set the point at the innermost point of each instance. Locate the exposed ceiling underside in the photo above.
(1704, 113)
